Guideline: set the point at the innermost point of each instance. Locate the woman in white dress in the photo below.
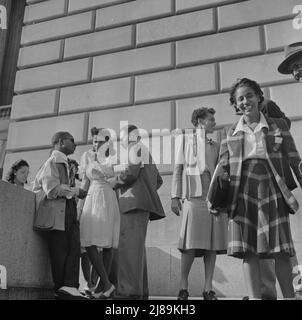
(100, 217)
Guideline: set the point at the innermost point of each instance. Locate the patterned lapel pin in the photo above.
(278, 140)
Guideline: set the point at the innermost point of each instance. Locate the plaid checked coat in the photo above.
(231, 155)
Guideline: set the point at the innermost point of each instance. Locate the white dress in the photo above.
(100, 219)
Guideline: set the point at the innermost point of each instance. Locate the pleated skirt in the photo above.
(202, 231)
(261, 224)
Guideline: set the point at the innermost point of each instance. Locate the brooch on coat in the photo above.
(278, 140)
(209, 141)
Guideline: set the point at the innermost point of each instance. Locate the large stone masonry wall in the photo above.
(150, 62)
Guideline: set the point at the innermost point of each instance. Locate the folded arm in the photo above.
(289, 151)
(221, 173)
(50, 181)
(159, 181)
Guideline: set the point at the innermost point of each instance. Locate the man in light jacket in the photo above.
(57, 197)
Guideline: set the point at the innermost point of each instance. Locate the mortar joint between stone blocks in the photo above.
(134, 36)
(66, 7)
(215, 19)
(263, 39)
(93, 21)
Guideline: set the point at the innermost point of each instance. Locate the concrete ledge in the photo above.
(22, 251)
(26, 294)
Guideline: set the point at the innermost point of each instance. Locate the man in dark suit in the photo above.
(139, 203)
(292, 64)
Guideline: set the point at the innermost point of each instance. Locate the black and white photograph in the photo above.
(150, 150)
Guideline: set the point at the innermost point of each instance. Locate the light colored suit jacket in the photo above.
(51, 186)
(186, 182)
(231, 155)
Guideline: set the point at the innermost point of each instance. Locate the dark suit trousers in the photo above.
(132, 260)
(268, 278)
(64, 250)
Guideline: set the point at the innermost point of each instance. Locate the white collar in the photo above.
(242, 126)
(59, 156)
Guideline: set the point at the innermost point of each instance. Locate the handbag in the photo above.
(44, 219)
(219, 197)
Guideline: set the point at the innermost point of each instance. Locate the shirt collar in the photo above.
(241, 125)
(59, 157)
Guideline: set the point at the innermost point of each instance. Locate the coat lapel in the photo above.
(236, 149)
(268, 137)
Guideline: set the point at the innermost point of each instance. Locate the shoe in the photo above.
(246, 298)
(69, 293)
(93, 287)
(104, 295)
(183, 294)
(117, 296)
(209, 295)
(86, 291)
(267, 297)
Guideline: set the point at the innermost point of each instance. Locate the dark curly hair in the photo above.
(14, 168)
(200, 113)
(94, 131)
(106, 135)
(244, 82)
(73, 171)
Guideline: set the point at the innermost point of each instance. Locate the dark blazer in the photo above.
(231, 154)
(139, 191)
(271, 110)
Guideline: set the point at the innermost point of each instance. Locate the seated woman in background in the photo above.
(18, 173)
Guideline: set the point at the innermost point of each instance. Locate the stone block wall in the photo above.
(150, 62)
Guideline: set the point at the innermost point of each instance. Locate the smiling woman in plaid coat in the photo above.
(259, 195)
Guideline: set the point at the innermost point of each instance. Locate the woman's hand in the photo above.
(112, 181)
(214, 212)
(79, 211)
(176, 206)
(223, 179)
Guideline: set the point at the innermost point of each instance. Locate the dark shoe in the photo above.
(183, 294)
(87, 292)
(246, 298)
(117, 296)
(209, 295)
(267, 297)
